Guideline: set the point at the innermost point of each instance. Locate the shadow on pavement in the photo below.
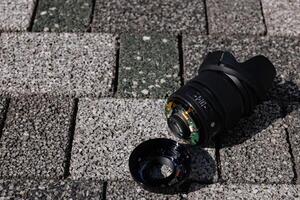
(203, 168)
(267, 112)
(203, 162)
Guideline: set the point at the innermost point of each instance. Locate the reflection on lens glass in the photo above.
(159, 170)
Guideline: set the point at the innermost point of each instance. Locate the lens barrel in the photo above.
(223, 91)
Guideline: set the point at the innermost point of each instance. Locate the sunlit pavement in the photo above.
(83, 82)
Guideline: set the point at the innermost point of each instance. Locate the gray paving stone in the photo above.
(152, 16)
(130, 190)
(235, 17)
(15, 15)
(35, 137)
(282, 17)
(149, 66)
(292, 122)
(256, 150)
(50, 189)
(63, 16)
(245, 191)
(67, 63)
(107, 130)
(282, 51)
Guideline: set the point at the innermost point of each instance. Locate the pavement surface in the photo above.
(83, 82)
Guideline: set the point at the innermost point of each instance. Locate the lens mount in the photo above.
(181, 122)
(159, 165)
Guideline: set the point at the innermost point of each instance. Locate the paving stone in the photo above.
(244, 191)
(149, 66)
(16, 15)
(256, 150)
(153, 16)
(107, 130)
(282, 51)
(63, 16)
(292, 121)
(50, 189)
(130, 190)
(35, 137)
(235, 17)
(67, 63)
(282, 17)
(136, 120)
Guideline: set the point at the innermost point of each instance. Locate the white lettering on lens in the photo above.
(199, 99)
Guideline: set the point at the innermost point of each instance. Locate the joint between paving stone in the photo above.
(295, 178)
(6, 106)
(104, 190)
(92, 16)
(181, 61)
(34, 11)
(206, 17)
(71, 137)
(218, 159)
(116, 72)
(263, 18)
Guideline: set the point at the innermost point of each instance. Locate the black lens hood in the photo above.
(257, 72)
(159, 152)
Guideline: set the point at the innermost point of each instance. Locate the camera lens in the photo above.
(223, 91)
(160, 165)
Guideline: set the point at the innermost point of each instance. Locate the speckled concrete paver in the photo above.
(282, 17)
(159, 16)
(292, 122)
(42, 72)
(235, 17)
(244, 191)
(256, 150)
(66, 63)
(149, 66)
(283, 52)
(16, 15)
(63, 16)
(35, 137)
(50, 189)
(107, 130)
(130, 190)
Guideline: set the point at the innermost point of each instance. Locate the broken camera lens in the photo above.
(160, 165)
(223, 91)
